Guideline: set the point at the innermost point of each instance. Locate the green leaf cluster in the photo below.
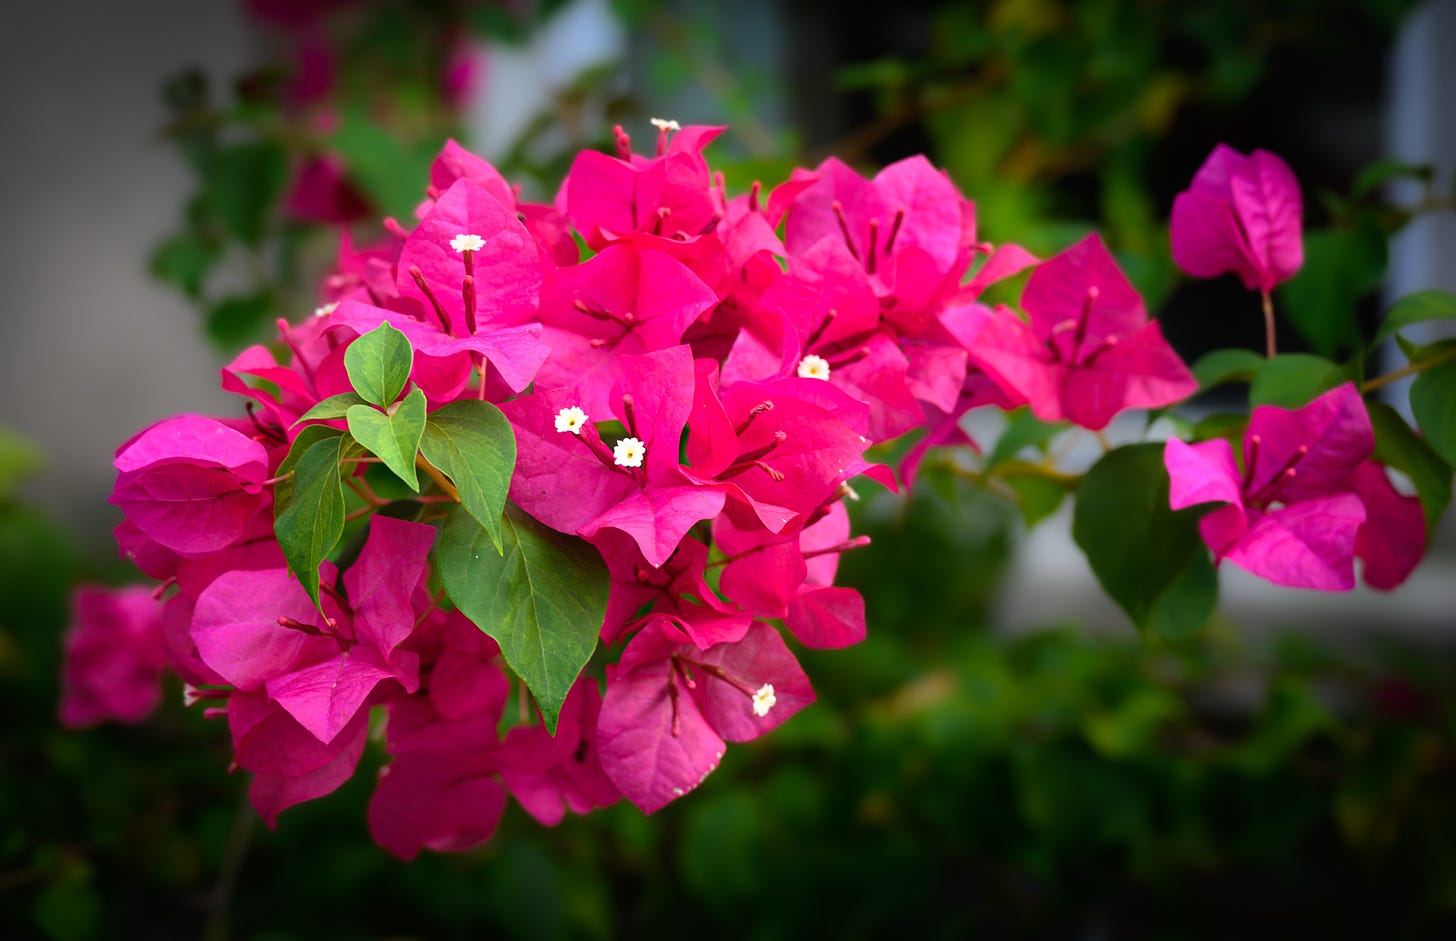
(540, 594)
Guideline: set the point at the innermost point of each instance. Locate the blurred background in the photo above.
(1004, 757)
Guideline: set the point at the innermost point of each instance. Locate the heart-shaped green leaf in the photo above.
(472, 443)
(1293, 380)
(379, 364)
(543, 600)
(1416, 308)
(393, 438)
(310, 525)
(1230, 365)
(335, 406)
(1433, 403)
(1148, 557)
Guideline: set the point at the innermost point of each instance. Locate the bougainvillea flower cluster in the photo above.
(555, 491)
(1308, 500)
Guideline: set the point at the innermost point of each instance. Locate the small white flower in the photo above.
(764, 699)
(191, 695)
(325, 310)
(466, 242)
(629, 452)
(813, 367)
(664, 124)
(570, 419)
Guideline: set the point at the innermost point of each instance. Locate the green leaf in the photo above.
(1228, 425)
(382, 163)
(1148, 558)
(1416, 308)
(1039, 496)
(543, 600)
(1024, 430)
(1341, 266)
(184, 260)
(283, 490)
(1222, 366)
(1292, 380)
(1400, 447)
(19, 459)
(242, 183)
(234, 321)
(1433, 403)
(471, 442)
(1377, 174)
(379, 364)
(393, 436)
(1184, 608)
(310, 526)
(335, 406)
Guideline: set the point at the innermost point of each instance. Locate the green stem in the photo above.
(440, 479)
(1412, 369)
(1268, 323)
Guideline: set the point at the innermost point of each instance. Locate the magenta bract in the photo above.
(1088, 350)
(1289, 515)
(1241, 214)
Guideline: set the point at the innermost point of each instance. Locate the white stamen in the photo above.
(813, 367)
(665, 124)
(570, 419)
(629, 452)
(764, 700)
(467, 242)
(326, 309)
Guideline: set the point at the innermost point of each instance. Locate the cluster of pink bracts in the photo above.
(746, 352)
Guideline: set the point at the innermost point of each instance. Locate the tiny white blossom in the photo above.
(629, 452)
(813, 367)
(570, 419)
(664, 124)
(191, 695)
(326, 309)
(467, 242)
(764, 699)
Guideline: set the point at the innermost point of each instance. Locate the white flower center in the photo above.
(664, 124)
(813, 367)
(629, 452)
(764, 699)
(570, 419)
(467, 242)
(326, 309)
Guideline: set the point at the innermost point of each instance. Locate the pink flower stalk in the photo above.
(1241, 214)
(1288, 515)
(114, 656)
(1088, 350)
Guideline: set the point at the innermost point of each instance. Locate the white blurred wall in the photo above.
(91, 349)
